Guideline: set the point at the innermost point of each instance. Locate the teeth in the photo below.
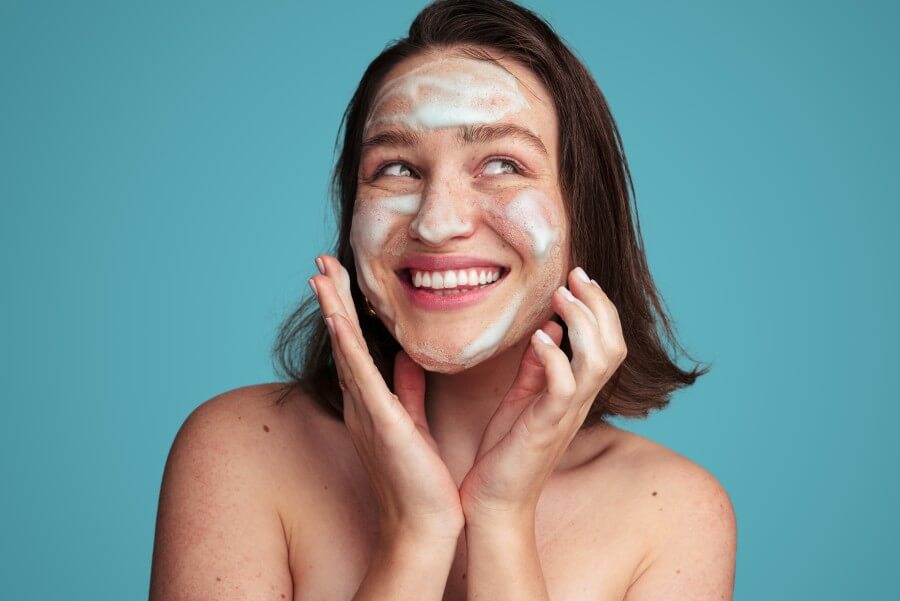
(452, 280)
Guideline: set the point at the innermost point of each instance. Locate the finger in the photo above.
(593, 296)
(530, 379)
(550, 408)
(588, 359)
(345, 377)
(332, 268)
(409, 382)
(331, 303)
(529, 382)
(373, 393)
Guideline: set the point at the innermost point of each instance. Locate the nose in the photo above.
(446, 212)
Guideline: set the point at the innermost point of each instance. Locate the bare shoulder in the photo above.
(692, 546)
(219, 530)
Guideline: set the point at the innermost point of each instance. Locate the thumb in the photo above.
(530, 381)
(409, 384)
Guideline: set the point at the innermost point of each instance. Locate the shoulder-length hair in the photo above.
(595, 182)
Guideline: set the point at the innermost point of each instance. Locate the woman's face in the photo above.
(459, 231)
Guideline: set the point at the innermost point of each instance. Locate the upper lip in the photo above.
(445, 262)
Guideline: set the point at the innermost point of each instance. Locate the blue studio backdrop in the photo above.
(163, 191)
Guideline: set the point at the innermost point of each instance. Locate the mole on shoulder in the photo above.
(218, 579)
(265, 427)
(654, 493)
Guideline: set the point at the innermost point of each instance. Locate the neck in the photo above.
(459, 406)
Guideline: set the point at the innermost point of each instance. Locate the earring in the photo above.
(369, 308)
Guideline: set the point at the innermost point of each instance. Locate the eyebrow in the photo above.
(466, 134)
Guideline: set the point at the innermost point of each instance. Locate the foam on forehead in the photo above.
(446, 92)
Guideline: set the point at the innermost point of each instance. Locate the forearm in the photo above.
(503, 562)
(405, 567)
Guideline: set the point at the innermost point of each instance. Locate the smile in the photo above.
(450, 289)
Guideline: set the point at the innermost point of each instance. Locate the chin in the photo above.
(440, 364)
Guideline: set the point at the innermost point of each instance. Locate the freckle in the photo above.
(654, 493)
(464, 576)
(265, 427)
(678, 571)
(326, 487)
(660, 509)
(218, 579)
(282, 595)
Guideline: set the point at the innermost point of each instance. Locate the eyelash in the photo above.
(520, 170)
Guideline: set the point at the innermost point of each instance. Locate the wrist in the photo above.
(502, 523)
(401, 535)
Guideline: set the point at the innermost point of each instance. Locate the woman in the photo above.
(444, 433)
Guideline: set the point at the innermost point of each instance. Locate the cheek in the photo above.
(374, 225)
(531, 222)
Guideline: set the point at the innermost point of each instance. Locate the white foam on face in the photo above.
(448, 92)
(373, 221)
(526, 211)
(488, 341)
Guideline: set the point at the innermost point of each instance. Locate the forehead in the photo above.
(442, 89)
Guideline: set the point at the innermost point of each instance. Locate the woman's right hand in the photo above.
(418, 497)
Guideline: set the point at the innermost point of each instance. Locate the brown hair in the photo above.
(595, 182)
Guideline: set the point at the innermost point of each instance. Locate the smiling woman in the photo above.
(443, 432)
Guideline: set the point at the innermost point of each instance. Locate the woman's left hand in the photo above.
(545, 407)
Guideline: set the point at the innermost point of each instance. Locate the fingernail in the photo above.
(312, 285)
(594, 282)
(566, 294)
(581, 275)
(543, 337)
(321, 265)
(330, 325)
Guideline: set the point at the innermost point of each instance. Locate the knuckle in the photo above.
(565, 390)
(619, 351)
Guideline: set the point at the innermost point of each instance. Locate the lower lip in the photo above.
(428, 300)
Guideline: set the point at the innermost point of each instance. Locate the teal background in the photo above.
(163, 174)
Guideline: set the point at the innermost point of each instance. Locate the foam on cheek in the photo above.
(448, 92)
(526, 211)
(494, 334)
(373, 221)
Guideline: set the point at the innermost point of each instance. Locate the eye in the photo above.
(506, 167)
(394, 170)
